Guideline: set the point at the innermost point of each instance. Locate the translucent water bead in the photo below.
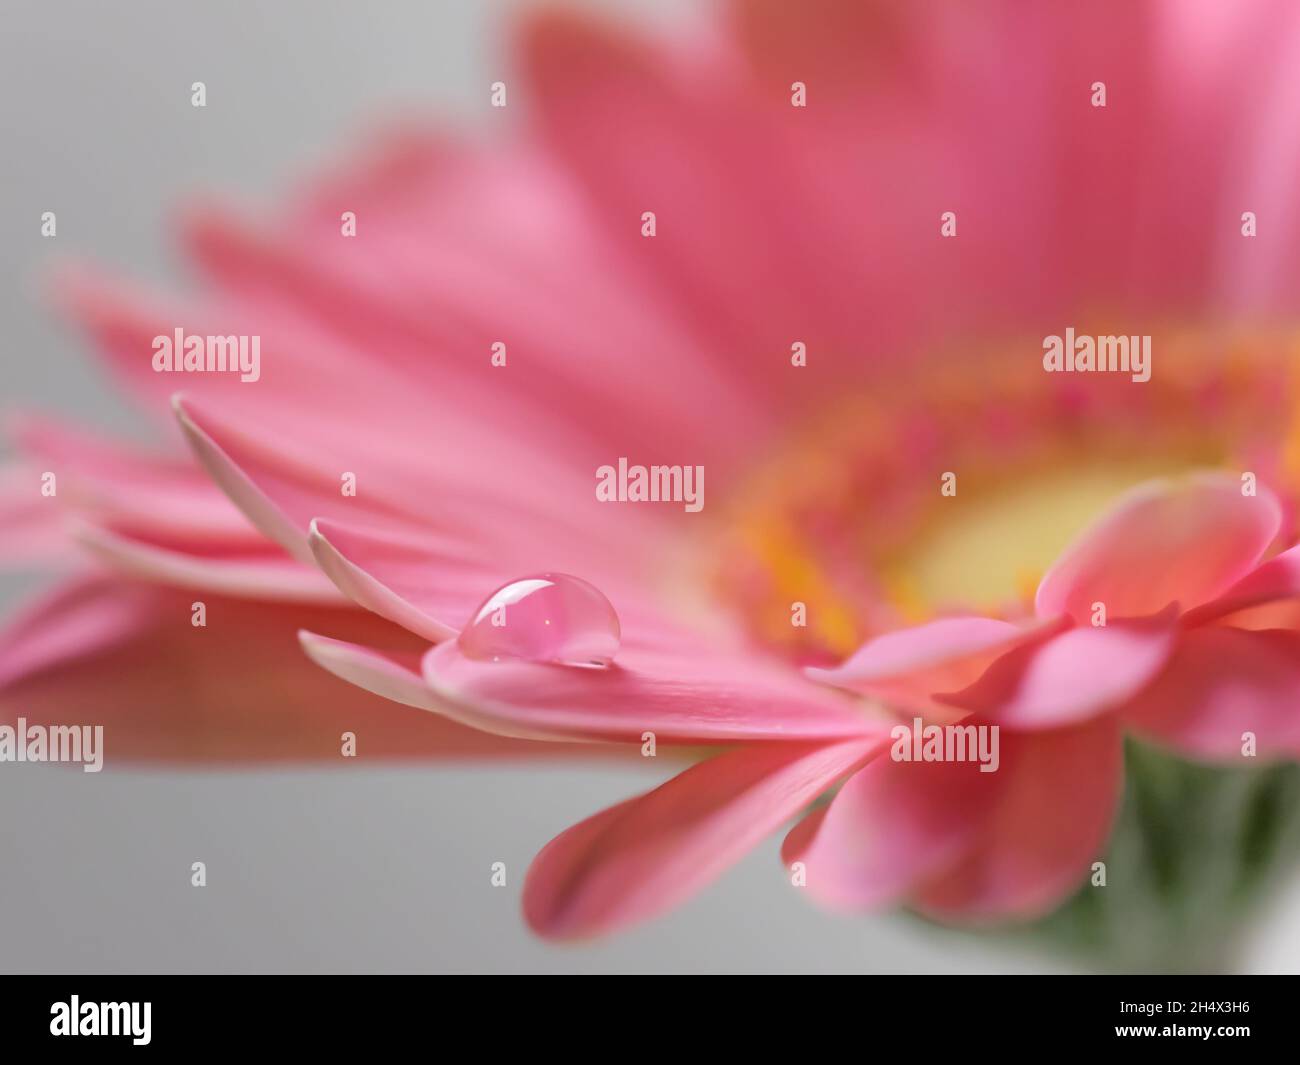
(548, 618)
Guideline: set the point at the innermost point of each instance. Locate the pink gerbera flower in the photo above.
(837, 312)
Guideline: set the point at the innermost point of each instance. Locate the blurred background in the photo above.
(312, 870)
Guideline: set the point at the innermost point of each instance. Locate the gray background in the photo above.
(368, 870)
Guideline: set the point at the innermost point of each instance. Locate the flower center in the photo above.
(952, 488)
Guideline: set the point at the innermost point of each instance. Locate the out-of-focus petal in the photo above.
(1074, 675)
(162, 497)
(1278, 578)
(644, 856)
(31, 524)
(1221, 684)
(1183, 541)
(1057, 796)
(260, 573)
(909, 666)
(513, 514)
(891, 826)
(235, 691)
(82, 617)
(641, 136)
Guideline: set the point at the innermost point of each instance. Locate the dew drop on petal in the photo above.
(548, 618)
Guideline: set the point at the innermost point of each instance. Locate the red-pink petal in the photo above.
(85, 616)
(644, 856)
(1182, 541)
(1278, 578)
(235, 691)
(1057, 796)
(892, 825)
(1071, 676)
(1220, 684)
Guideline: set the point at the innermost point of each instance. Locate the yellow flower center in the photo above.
(953, 487)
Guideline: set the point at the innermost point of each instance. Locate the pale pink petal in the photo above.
(427, 586)
(391, 676)
(31, 524)
(908, 666)
(395, 676)
(1182, 541)
(644, 856)
(270, 517)
(1057, 796)
(1226, 692)
(1077, 674)
(681, 689)
(261, 573)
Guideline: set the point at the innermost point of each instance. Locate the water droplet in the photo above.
(548, 618)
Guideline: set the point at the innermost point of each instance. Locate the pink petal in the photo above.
(850, 45)
(680, 688)
(1075, 675)
(908, 666)
(460, 252)
(160, 497)
(1058, 793)
(514, 519)
(640, 139)
(1221, 683)
(644, 856)
(892, 825)
(123, 318)
(1182, 541)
